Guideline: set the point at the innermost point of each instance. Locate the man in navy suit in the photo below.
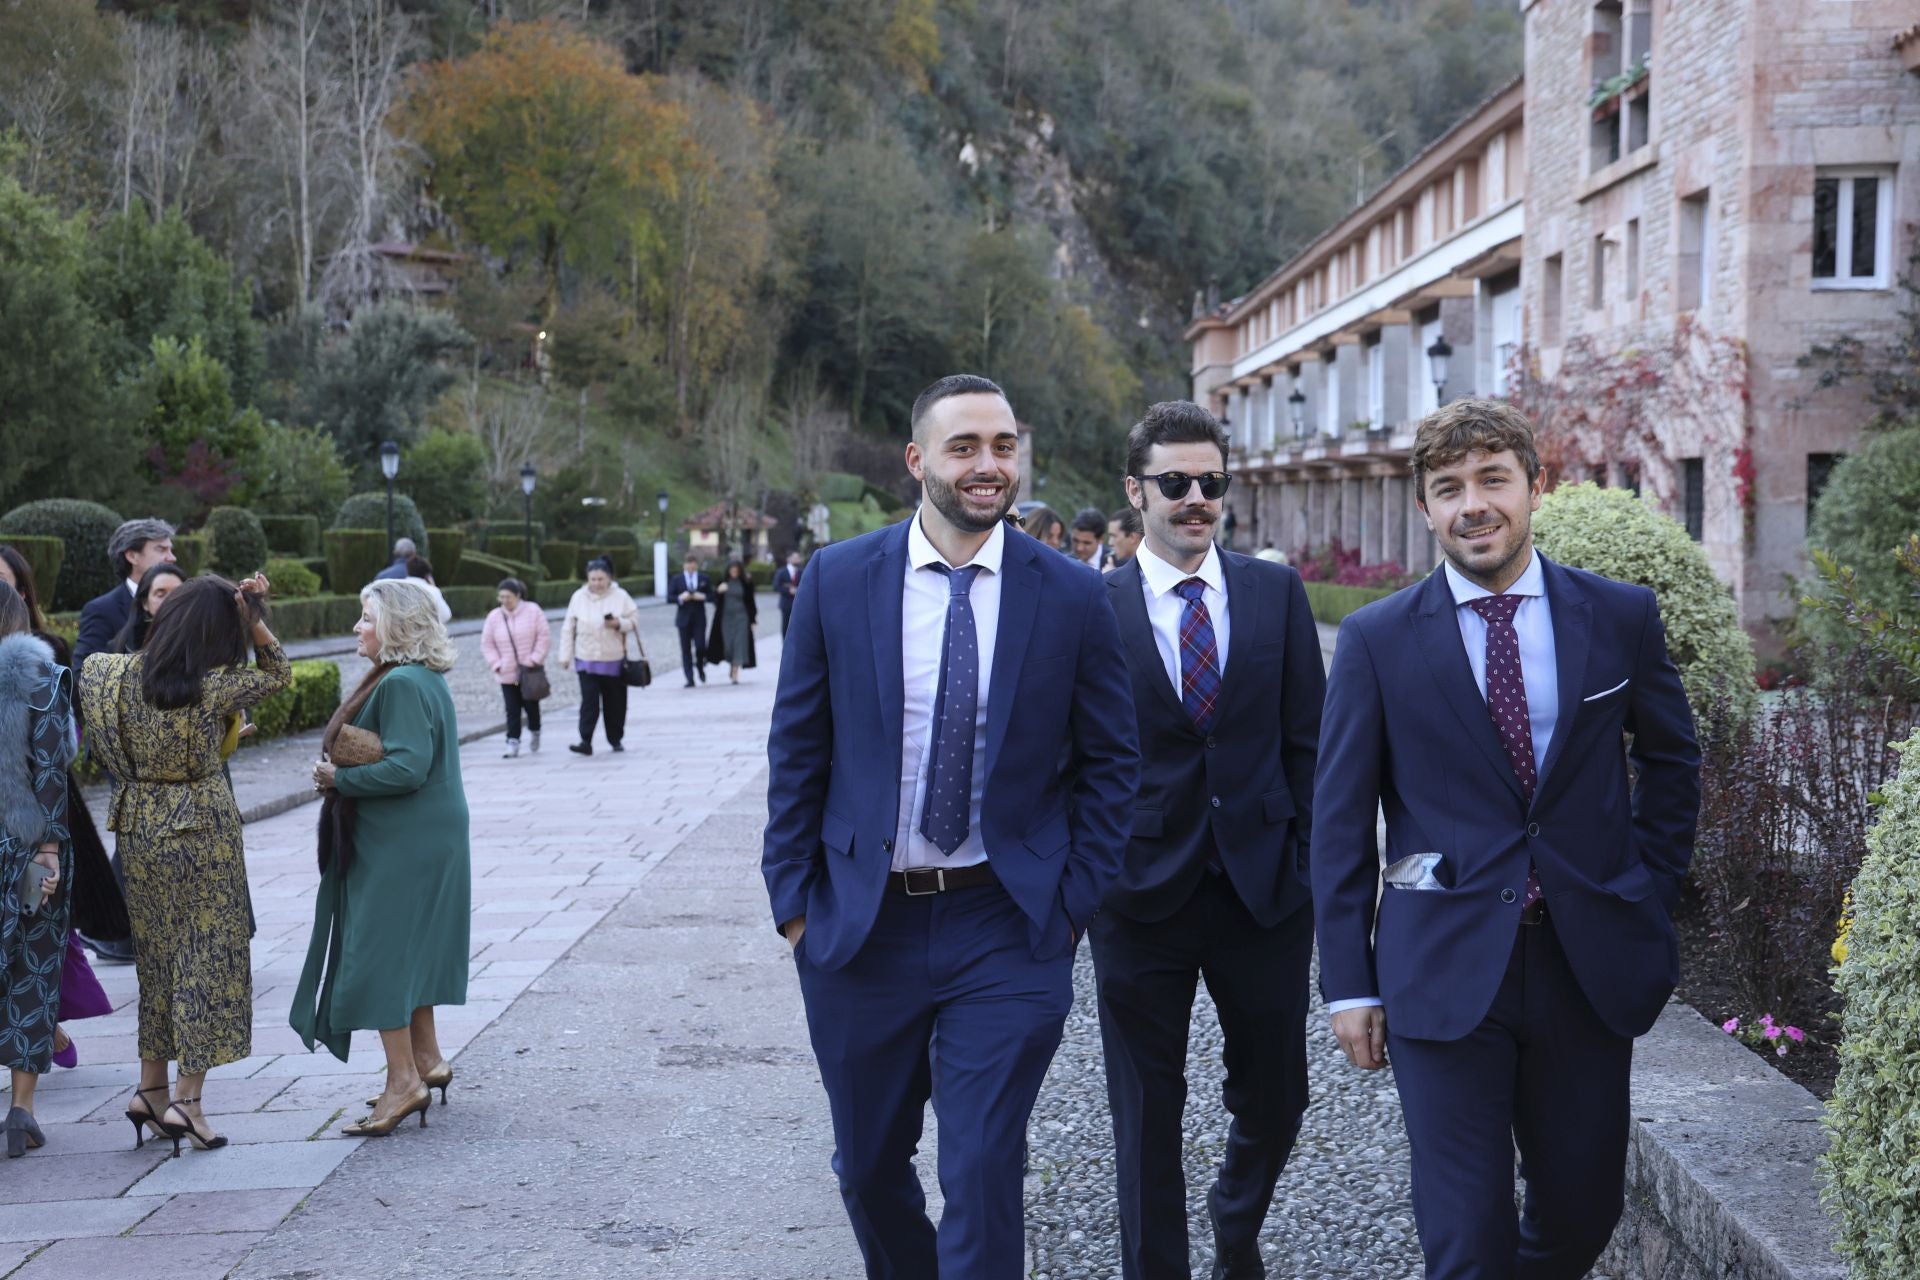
(690, 590)
(135, 547)
(1521, 938)
(953, 765)
(788, 583)
(1227, 686)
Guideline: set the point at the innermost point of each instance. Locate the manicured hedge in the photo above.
(317, 565)
(483, 569)
(295, 537)
(1331, 603)
(555, 595)
(448, 547)
(618, 535)
(471, 602)
(44, 556)
(623, 558)
(190, 552)
(86, 528)
(236, 543)
(508, 546)
(292, 580)
(369, 511)
(307, 703)
(559, 557)
(317, 616)
(66, 626)
(354, 556)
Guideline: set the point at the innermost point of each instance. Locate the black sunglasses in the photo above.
(1174, 484)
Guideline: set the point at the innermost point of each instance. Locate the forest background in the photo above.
(711, 247)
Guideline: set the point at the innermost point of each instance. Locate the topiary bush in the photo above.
(296, 537)
(559, 557)
(470, 602)
(43, 556)
(1871, 1168)
(354, 556)
(1871, 505)
(307, 703)
(509, 546)
(86, 528)
(1613, 533)
(479, 569)
(369, 511)
(618, 535)
(319, 616)
(448, 546)
(190, 552)
(236, 544)
(292, 580)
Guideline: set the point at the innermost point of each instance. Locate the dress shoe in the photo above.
(580, 748)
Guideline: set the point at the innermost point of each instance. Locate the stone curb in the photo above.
(1720, 1165)
(281, 804)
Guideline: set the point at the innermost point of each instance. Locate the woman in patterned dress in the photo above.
(36, 745)
(156, 720)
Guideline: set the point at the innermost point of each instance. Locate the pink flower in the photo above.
(1730, 1026)
(1773, 1033)
(1766, 1020)
(1796, 1035)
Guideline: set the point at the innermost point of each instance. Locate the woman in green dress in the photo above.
(155, 721)
(391, 920)
(731, 638)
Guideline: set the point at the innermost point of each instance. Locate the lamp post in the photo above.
(661, 498)
(660, 550)
(1439, 355)
(1297, 411)
(528, 478)
(389, 467)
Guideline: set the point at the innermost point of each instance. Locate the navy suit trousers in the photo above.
(1541, 1073)
(943, 1000)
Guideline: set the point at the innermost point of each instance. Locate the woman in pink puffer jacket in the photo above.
(516, 635)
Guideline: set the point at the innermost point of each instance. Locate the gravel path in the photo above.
(1341, 1209)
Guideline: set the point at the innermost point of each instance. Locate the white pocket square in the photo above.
(1604, 692)
(1415, 871)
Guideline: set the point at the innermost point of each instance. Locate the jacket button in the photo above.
(1507, 895)
(1210, 742)
(1216, 802)
(887, 844)
(1533, 829)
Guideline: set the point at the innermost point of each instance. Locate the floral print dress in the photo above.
(180, 848)
(33, 945)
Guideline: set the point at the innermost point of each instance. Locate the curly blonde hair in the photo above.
(406, 621)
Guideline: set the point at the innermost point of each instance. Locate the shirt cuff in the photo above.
(1362, 1002)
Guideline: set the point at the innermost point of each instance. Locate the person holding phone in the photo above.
(36, 855)
(593, 642)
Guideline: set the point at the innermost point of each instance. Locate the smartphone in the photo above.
(32, 886)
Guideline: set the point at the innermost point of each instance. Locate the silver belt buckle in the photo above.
(937, 874)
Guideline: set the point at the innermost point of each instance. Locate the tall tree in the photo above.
(292, 98)
(371, 43)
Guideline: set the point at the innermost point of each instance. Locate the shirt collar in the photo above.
(1532, 582)
(1162, 577)
(921, 552)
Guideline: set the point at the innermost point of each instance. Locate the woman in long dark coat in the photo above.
(730, 638)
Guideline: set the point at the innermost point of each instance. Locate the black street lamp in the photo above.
(389, 467)
(528, 478)
(1297, 411)
(661, 498)
(1439, 355)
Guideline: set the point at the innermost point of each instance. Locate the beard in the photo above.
(961, 512)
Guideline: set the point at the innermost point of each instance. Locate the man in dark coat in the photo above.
(689, 589)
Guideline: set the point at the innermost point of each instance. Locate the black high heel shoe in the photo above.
(190, 1130)
(22, 1133)
(141, 1119)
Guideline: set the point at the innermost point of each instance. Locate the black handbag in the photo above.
(534, 684)
(637, 672)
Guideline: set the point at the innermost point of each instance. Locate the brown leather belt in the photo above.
(1535, 914)
(922, 881)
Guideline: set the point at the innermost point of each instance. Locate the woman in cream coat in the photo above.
(593, 641)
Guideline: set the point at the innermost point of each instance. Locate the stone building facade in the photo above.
(1637, 242)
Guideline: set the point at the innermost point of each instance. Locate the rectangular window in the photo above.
(1693, 480)
(1429, 393)
(1819, 470)
(1330, 401)
(1597, 267)
(1693, 287)
(1376, 383)
(1852, 228)
(1553, 284)
(1297, 420)
(1505, 322)
(1633, 262)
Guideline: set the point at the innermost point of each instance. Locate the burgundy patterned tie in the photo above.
(1507, 700)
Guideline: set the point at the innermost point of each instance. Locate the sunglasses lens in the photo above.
(1173, 485)
(1213, 485)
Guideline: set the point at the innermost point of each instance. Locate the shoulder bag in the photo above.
(534, 684)
(637, 672)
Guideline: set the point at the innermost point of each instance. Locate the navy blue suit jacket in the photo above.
(1406, 729)
(1062, 756)
(102, 618)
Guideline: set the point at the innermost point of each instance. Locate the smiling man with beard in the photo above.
(953, 764)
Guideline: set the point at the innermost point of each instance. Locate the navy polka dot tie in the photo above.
(955, 710)
(1507, 700)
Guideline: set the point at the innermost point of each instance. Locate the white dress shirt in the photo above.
(1165, 607)
(1533, 623)
(923, 629)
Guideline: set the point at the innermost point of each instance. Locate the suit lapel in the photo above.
(1019, 602)
(1136, 630)
(1243, 603)
(1572, 636)
(1446, 655)
(886, 580)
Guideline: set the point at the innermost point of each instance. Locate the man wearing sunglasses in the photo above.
(1227, 681)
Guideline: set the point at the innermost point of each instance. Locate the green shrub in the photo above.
(317, 566)
(1331, 602)
(354, 556)
(471, 602)
(1871, 505)
(1873, 1157)
(369, 511)
(446, 475)
(86, 528)
(559, 557)
(508, 546)
(480, 569)
(316, 618)
(296, 537)
(43, 556)
(555, 595)
(307, 703)
(839, 486)
(623, 558)
(191, 553)
(66, 626)
(292, 580)
(618, 535)
(481, 532)
(1613, 533)
(236, 543)
(448, 546)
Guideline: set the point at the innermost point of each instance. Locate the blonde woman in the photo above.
(390, 924)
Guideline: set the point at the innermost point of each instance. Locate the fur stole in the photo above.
(29, 684)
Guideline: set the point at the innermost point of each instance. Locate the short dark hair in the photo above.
(1173, 422)
(200, 629)
(514, 585)
(419, 567)
(133, 636)
(1090, 520)
(602, 563)
(1455, 430)
(954, 384)
(1130, 521)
